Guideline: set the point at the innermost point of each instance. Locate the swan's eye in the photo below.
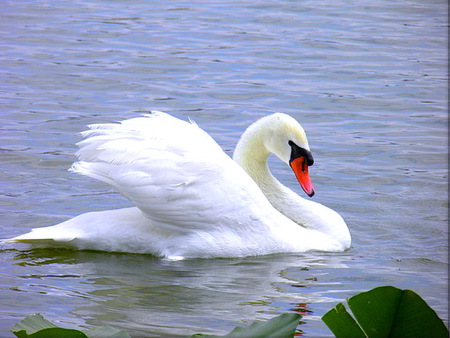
(297, 152)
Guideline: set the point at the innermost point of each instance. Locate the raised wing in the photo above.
(172, 170)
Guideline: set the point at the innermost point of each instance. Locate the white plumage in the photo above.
(193, 200)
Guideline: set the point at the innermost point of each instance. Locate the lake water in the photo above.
(367, 80)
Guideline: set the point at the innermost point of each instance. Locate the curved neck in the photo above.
(252, 155)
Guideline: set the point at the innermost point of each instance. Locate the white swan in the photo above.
(192, 200)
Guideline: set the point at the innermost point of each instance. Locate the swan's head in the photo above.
(286, 139)
(283, 136)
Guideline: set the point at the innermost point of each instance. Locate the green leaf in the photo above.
(386, 311)
(36, 326)
(375, 309)
(341, 323)
(32, 323)
(414, 315)
(55, 332)
(279, 327)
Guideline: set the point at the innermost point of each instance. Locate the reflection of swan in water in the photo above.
(144, 295)
(191, 199)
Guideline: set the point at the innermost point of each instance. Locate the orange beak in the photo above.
(300, 168)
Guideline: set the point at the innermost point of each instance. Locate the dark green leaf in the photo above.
(54, 332)
(341, 323)
(415, 317)
(35, 326)
(375, 310)
(387, 311)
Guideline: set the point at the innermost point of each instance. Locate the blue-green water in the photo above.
(368, 81)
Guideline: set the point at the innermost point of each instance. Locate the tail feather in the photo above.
(45, 234)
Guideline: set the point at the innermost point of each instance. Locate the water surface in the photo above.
(367, 81)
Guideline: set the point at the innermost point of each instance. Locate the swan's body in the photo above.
(192, 200)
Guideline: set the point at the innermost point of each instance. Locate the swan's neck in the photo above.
(252, 155)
